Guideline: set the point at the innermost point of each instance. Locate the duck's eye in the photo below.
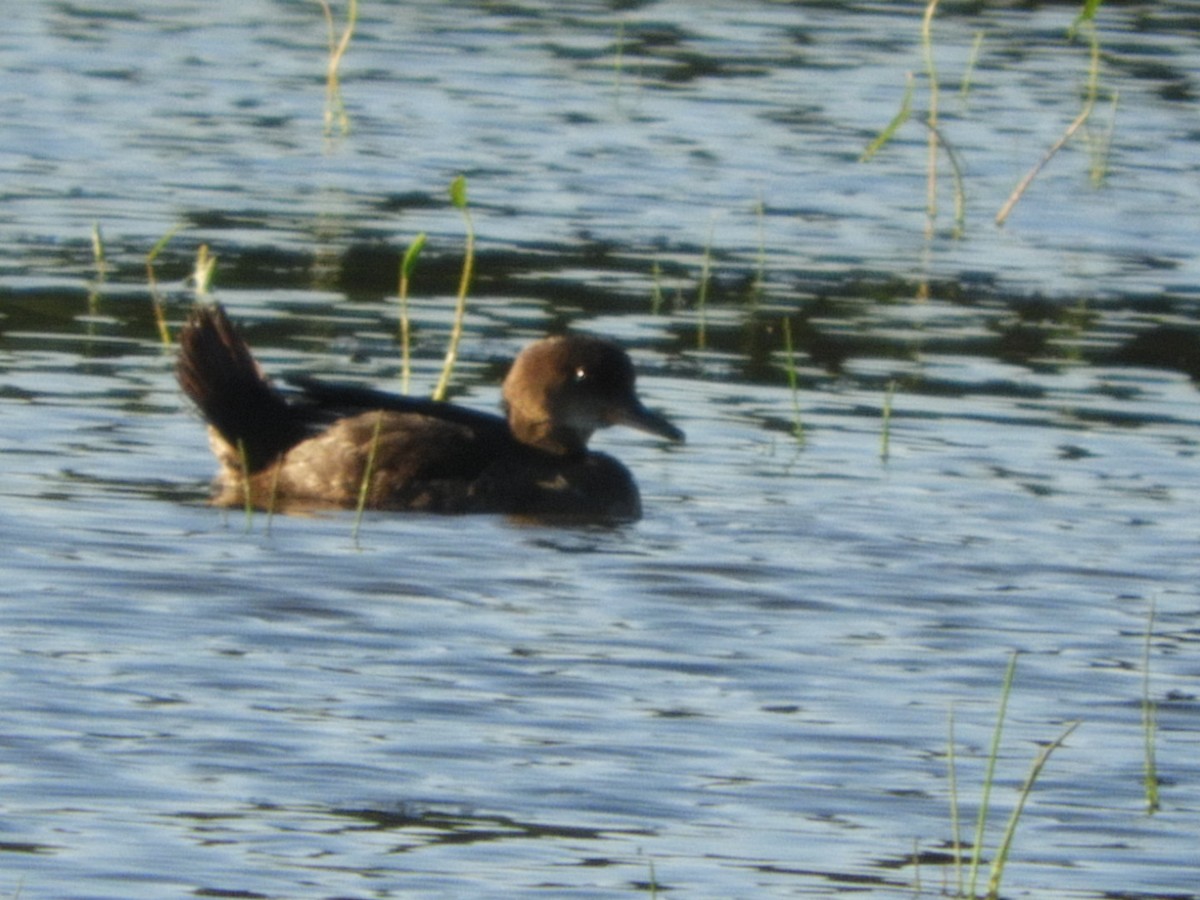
(581, 375)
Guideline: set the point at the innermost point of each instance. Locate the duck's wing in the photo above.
(336, 400)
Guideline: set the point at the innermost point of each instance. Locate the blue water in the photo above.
(747, 693)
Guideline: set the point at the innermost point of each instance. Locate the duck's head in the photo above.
(562, 389)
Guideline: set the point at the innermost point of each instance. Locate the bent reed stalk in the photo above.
(156, 297)
(965, 888)
(1089, 103)
(458, 196)
(335, 108)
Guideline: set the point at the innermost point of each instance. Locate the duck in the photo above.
(331, 445)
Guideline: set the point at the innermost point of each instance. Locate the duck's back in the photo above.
(423, 463)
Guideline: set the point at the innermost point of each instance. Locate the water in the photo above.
(746, 693)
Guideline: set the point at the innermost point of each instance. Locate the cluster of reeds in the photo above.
(938, 142)
(967, 877)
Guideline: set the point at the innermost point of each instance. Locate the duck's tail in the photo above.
(217, 371)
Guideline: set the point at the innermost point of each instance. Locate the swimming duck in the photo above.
(315, 448)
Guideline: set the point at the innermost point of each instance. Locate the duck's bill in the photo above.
(644, 420)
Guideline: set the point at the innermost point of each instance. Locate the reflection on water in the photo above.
(747, 691)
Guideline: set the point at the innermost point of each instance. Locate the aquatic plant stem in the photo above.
(656, 292)
(458, 196)
(790, 359)
(202, 273)
(955, 820)
(902, 116)
(364, 487)
(407, 264)
(1149, 724)
(99, 258)
(989, 776)
(273, 498)
(885, 437)
(702, 293)
(247, 501)
(964, 88)
(335, 108)
(1085, 113)
(931, 206)
(98, 255)
(997, 871)
(760, 260)
(156, 298)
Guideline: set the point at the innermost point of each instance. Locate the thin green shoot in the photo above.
(964, 87)
(885, 437)
(889, 131)
(656, 292)
(955, 818)
(101, 261)
(652, 886)
(960, 194)
(202, 273)
(156, 297)
(98, 254)
(702, 292)
(335, 108)
(931, 206)
(458, 196)
(790, 360)
(406, 269)
(989, 776)
(1099, 146)
(364, 487)
(1087, 14)
(760, 262)
(997, 871)
(273, 497)
(1149, 724)
(1089, 103)
(247, 497)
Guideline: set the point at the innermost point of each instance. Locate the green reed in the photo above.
(656, 291)
(335, 107)
(1149, 724)
(937, 140)
(407, 265)
(931, 116)
(156, 297)
(702, 290)
(966, 889)
(758, 286)
(202, 272)
(964, 86)
(364, 487)
(885, 435)
(100, 259)
(790, 361)
(1085, 19)
(458, 196)
(247, 498)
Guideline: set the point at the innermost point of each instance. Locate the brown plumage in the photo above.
(315, 450)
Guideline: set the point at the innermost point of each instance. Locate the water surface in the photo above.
(746, 693)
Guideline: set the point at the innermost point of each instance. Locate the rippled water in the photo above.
(747, 693)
